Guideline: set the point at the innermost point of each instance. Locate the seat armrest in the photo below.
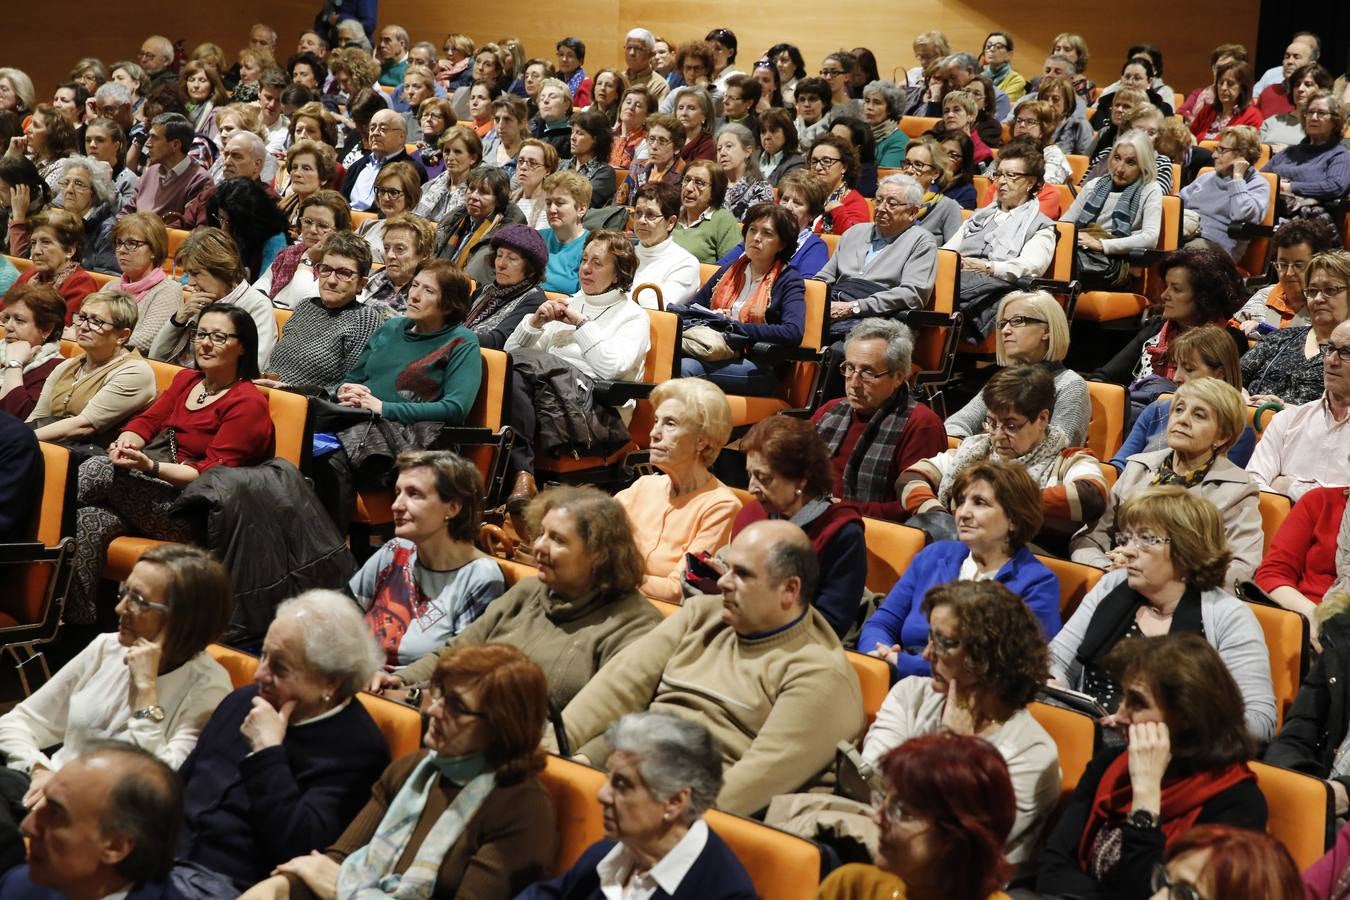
(617, 393)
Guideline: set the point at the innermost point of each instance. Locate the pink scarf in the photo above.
(138, 289)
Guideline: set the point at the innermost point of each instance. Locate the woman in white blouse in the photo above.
(150, 683)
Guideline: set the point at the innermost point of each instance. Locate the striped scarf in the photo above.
(1127, 207)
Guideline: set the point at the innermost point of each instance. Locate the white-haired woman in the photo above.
(883, 106)
(664, 773)
(87, 192)
(1119, 213)
(1032, 328)
(684, 509)
(736, 154)
(285, 762)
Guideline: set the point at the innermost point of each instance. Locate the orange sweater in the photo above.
(665, 528)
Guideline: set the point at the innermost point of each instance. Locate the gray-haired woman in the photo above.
(736, 154)
(286, 762)
(89, 194)
(664, 773)
(883, 105)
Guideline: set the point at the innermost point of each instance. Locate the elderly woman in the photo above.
(16, 91)
(631, 131)
(310, 168)
(1233, 194)
(746, 187)
(434, 116)
(1206, 418)
(535, 161)
(419, 86)
(1174, 556)
(1204, 352)
(32, 318)
(779, 152)
(581, 609)
(401, 412)
(660, 260)
(464, 238)
(1286, 365)
(790, 477)
(553, 123)
(1118, 214)
(925, 161)
(1017, 429)
(141, 243)
(705, 228)
(461, 150)
(1071, 132)
(520, 258)
(397, 191)
(210, 415)
(959, 113)
(568, 197)
(683, 509)
(606, 91)
(150, 683)
(1232, 104)
(1281, 130)
(1315, 171)
(253, 61)
(664, 773)
(1184, 761)
(1032, 329)
(1138, 74)
(1035, 121)
(88, 395)
(694, 111)
(758, 298)
(998, 510)
(883, 106)
(947, 813)
(285, 762)
(291, 280)
(511, 120)
(87, 192)
(986, 124)
(55, 245)
(1283, 303)
(215, 275)
(467, 813)
(598, 333)
(429, 582)
(407, 244)
(663, 164)
(1004, 242)
(590, 145)
(833, 160)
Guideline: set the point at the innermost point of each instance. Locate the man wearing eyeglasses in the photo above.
(155, 58)
(388, 132)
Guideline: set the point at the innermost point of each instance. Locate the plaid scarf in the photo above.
(867, 473)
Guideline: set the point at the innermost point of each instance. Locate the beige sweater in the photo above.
(777, 704)
(569, 639)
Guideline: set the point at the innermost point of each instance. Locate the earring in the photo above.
(327, 698)
(799, 492)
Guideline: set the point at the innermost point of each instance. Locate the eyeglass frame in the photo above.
(138, 600)
(1181, 890)
(323, 270)
(1122, 539)
(217, 338)
(1329, 349)
(867, 376)
(436, 693)
(993, 426)
(94, 322)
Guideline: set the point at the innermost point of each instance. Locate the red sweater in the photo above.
(851, 210)
(1274, 101)
(924, 436)
(78, 285)
(1205, 116)
(236, 430)
(1302, 554)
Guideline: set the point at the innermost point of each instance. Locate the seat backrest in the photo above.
(1274, 510)
(781, 865)
(489, 409)
(28, 586)
(1169, 237)
(282, 316)
(401, 725)
(706, 271)
(1066, 241)
(890, 549)
(1075, 580)
(1106, 430)
(874, 677)
(514, 572)
(573, 787)
(930, 343)
(664, 354)
(51, 512)
(18, 262)
(1075, 735)
(361, 217)
(239, 664)
(176, 238)
(1286, 634)
(831, 242)
(102, 279)
(165, 373)
(289, 412)
(917, 125)
(1299, 811)
(1078, 166)
(983, 195)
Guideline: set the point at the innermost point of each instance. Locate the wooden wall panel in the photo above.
(50, 41)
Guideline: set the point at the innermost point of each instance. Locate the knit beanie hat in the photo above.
(526, 241)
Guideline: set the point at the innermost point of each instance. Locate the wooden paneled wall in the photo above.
(44, 39)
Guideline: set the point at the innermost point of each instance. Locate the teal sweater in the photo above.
(421, 377)
(891, 150)
(564, 262)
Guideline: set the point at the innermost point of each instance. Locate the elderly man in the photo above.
(392, 52)
(274, 121)
(172, 180)
(312, 42)
(1308, 446)
(387, 136)
(1275, 100)
(878, 428)
(883, 268)
(759, 667)
(106, 826)
(244, 156)
(155, 57)
(263, 37)
(638, 49)
(1276, 74)
(957, 71)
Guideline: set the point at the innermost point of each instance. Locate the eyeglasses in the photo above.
(93, 323)
(995, 45)
(695, 182)
(133, 244)
(1022, 120)
(1019, 322)
(1221, 149)
(527, 164)
(913, 165)
(1318, 113)
(824, 162)
(1176, 890)
(307, 222)
(136, 601)
(1328, 292)
(1011, 429)
(892, 810)
(891, 203)
(1141, 541)
(868, 376)
(1009, 176)
(1286, 266)
(644, 215)
(1329, 349)
(342, 272)
(656, 140)
(453, 704)
(388, 193)
(76, 183)
(942, 645)
(219, 338)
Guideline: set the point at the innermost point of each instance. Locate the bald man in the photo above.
(388, 132)
(155, 58)
(758, 666)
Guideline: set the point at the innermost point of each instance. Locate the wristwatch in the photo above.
(1143, 820)
(153, 713)
(857, 309)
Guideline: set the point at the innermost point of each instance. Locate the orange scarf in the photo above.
(733, 282)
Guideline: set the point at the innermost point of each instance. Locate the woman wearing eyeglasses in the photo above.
(150, 683)
(88, 194)
(1233, 194)
(1183, 764)
(1224, 861)
(1171, 562)
(1316, 170)
(291, 280)
(939, 214)
(704, 228)
(141, 243)
(397, 190)
(92, 393)
(833, 160)
(665, 138)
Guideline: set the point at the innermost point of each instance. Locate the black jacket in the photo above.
(1316, 724)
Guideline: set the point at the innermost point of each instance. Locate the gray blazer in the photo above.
(908, 267)
(1230, 627)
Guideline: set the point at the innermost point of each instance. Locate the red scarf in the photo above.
(729, 288)
(1182, 799)
(1159, 362)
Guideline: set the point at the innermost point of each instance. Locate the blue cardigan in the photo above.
(810, 258)
(716, 875)
(1153, 420)
(900, 620)
(783, 320)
